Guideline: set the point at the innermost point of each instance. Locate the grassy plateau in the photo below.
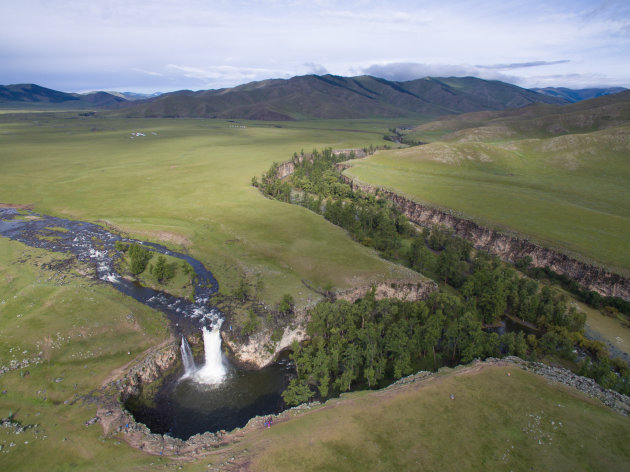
(570, 192)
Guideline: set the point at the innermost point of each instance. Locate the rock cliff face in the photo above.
(149, 369)
(285, 169)
(260, 350)
(407, 291)
(508, 248)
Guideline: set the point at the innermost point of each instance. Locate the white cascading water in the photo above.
(213, 371)
(187, 359)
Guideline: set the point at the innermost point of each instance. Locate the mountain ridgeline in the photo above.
(308, 97)
(35, 96)
(330, 97)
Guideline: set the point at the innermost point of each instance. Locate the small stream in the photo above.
(183, 407)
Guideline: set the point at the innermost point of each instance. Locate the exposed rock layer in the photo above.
(508, 248)
(406, 291)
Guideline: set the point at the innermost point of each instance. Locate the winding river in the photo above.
(183, 406)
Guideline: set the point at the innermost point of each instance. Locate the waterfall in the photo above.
(187, 358)
(213, 371)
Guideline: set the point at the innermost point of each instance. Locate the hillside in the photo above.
(329, 96)
(578, 95)
(536, 121)
(35, 96)
(556, 175)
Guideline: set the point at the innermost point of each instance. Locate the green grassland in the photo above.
(570, 192)
(187, 184)
(495, 422)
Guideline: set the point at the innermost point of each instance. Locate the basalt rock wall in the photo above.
(508, 248)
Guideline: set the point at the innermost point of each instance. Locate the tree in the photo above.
(286, 305)
(242, 292)
(139, 258)
(297, 392)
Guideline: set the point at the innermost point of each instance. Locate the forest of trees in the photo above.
(374, 342)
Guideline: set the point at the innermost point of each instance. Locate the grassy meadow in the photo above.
(187, 183)
(543, 426)
(569, 192)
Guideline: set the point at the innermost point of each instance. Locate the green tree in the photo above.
(286, 305)
(297, 392)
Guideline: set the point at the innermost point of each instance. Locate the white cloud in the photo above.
(196, 43)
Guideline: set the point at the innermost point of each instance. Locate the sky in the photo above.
(165, 45)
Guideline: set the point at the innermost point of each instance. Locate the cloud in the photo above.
(224, 75)
(521, 65)
(403, 71)
(313, 68)
(148, 72)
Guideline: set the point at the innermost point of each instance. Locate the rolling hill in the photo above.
(578, 95)
(536, 121)
(558, 176)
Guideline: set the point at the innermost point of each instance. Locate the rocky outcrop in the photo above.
(508, 248)
(285, 169)
(259, 350)
(614, 400)
(406, 291)
(149, 369)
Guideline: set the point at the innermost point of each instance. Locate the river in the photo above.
(183, 406)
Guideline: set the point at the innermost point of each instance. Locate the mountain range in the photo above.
(307, 97)
(572, 95)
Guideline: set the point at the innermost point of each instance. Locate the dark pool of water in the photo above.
(184, 408)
